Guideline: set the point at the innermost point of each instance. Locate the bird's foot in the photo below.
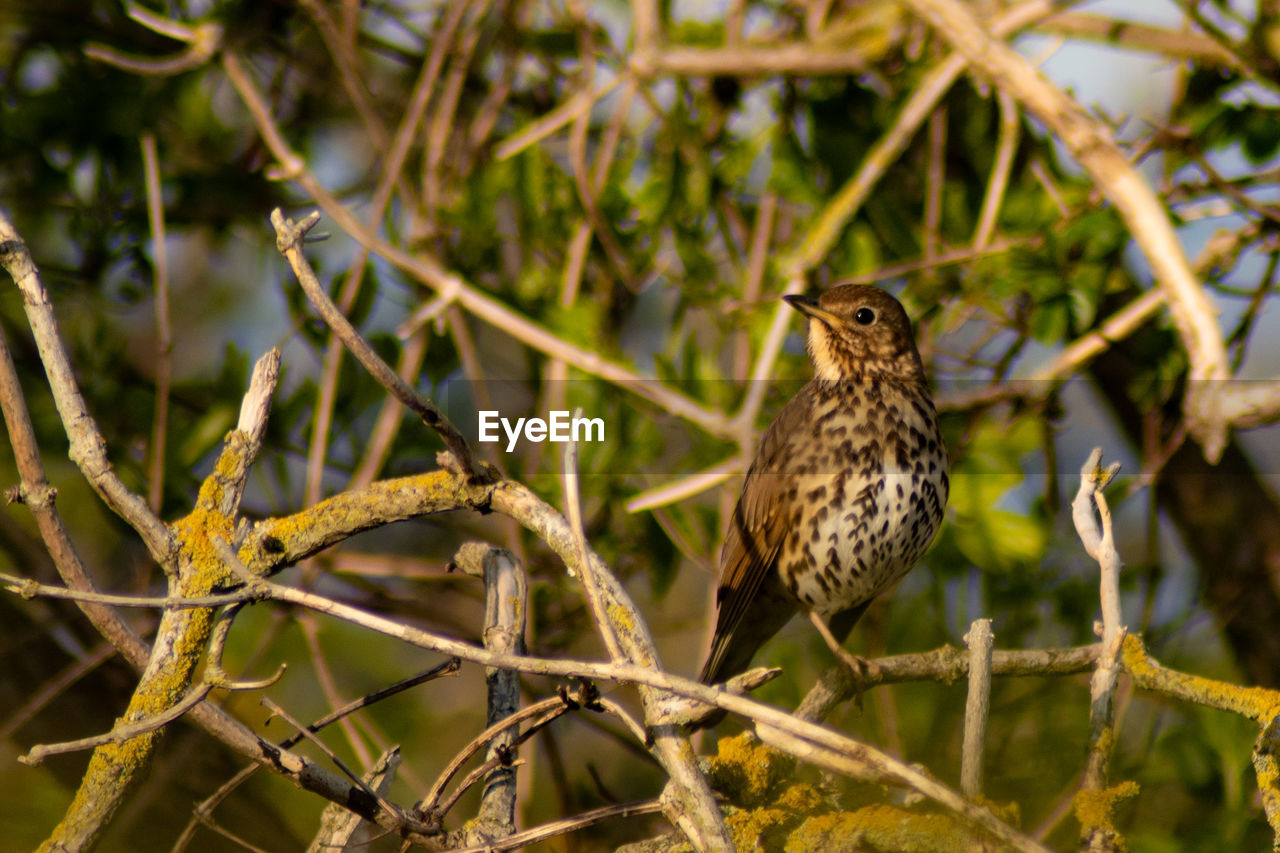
(857, 665)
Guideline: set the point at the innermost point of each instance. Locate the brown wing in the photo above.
(753, 606)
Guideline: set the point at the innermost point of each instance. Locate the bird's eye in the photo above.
(865, 316)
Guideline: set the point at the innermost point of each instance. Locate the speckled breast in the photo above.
(871, 485)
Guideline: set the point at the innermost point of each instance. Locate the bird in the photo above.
(848, 487)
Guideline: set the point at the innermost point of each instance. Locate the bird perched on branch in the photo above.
(847, 489)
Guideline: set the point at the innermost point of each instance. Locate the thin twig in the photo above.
(383, 434)
(1002, 165)
(553, 121)
(276, 710)
(1100, 545)
(547, 710)
(205, 808)
(289, 239)
(203, 41)
(88, 447)
(164, 335)
(935, 181)
(1137, 36)
(307, 622)
(565, 826)
(123, 732)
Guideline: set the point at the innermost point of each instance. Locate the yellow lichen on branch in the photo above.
(777, 811)
(180, 642)
(1096, 811)
(1267, 767)
(1259, 704)
(277, 542)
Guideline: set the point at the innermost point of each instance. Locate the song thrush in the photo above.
(847, 489)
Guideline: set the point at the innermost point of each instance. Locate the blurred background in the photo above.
(650, 219)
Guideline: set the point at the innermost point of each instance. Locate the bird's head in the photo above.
(859, 331)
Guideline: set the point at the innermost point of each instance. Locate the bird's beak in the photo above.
(808, 306)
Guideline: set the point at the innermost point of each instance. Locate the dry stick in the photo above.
(441, 120)
(976, 707)
(553, 121)
(30, 589)
(757, 264)
(278, 711)
(387, 425)
(584, 179)
(215, 676)
(689, 485)
(646, 32)
(405, 135)
(547, 711)
(205, 808)
(935, 180)
(1079, 353)
(806, 740)
(204, 39)
(88, 447)
(307, 624)
(453, 288)
(182, 634)
(1134, 36)
(1006, 147)
(352, 77)
(37, 494)
(1100, 545)
(235, 839)
(947, 665)
(339, 826)
(506, 614)
(689, 803)
(557, 369)
(761, 60)
(565, 826)
(121, 733)
(289, 239)
(164, 335)
(954, 256)
(573, 511)
(1090, 143)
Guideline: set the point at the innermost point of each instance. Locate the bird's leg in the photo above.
(857, 666)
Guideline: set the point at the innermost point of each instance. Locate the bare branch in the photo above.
(1090, 142)
(340, 829)
(1101, 835)
(122, 733)
(1136, 36)
(289, 239)
(506, 605)
(164, 335)
(88, 448)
